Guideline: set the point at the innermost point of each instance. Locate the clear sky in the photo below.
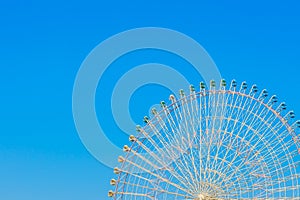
(42, 45)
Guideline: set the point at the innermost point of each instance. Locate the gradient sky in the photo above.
(42, 45)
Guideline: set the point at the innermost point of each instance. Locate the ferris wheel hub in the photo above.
(203, 197)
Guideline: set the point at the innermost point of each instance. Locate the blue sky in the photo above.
(42, 45)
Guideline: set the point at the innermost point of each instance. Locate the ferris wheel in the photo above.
(221, 142)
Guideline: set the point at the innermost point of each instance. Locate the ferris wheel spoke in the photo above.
(150, 190)
(164, 167)
(158, 177)
(231, 140)
(177, 145)
(164, 154)
(189, 123)
(238, 133)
